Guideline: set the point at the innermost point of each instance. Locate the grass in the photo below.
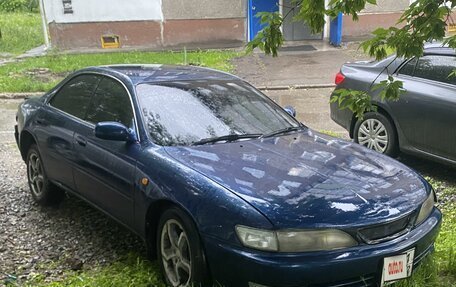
(132, 271)
(20, 32)
(331, 133)
(42, 73)
(439, 270)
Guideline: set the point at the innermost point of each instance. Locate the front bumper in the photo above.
(358, 266)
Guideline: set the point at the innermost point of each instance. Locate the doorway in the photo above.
(296, 31)
(292, 31)
(256, 6)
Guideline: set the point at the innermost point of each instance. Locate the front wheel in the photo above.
(43, 191)
(179, 250)
(376, 132)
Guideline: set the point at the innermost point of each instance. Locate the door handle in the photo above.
(41, 121)
(81, 141)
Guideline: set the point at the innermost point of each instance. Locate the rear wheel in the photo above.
(179, 251)
(43, 191)
(375, 131)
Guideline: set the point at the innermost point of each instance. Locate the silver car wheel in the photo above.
(373, 134)
(36, 175)
(175, 253)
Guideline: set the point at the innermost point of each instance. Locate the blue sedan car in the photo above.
(224, 186)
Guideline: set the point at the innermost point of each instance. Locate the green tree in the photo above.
(423, 21)
(19, 5)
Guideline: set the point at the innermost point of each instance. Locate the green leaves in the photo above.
(359, 102)
(270, 39)
(18, 5)
(348, 7)
(390, 89)
(423, 21)
(312, 13)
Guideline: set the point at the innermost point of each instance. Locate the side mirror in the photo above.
(290, 110)
(114, 131)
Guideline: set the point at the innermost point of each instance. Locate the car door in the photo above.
(105, 169)
(56, 123)
(427, 112)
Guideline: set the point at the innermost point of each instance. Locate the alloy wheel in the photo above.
(175, 253)
(36, 175)
(373, 134)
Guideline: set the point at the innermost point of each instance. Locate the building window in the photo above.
(67, 7)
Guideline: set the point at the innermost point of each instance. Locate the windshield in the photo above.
(183, 113)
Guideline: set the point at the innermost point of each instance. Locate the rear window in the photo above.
(409, 67)
(110, 102)
(436, 68)
(74, 97)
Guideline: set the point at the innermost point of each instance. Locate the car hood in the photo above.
(310, 180)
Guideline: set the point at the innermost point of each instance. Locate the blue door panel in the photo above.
(104, 173)
(256, 6)
(54, 133)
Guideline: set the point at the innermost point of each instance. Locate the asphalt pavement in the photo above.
(297, 68)
(8, 109)
(312, 108)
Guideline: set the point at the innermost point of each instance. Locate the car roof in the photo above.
(438, 48)
(150, 73)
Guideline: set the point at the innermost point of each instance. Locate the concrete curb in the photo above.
(12, 96)
(295, 87)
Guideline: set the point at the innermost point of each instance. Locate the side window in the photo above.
(437, 68)
(409, 68)
(74, 97)
(110, 102)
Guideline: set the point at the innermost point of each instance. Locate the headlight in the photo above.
(257, 238)
(426, 208)
(294, 241)
(315, 240)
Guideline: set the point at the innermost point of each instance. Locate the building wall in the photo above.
(103, 11)
(204, 9)
(387, 6)
(72, 36)
(367, 23)
(385, 14)
(158, 24)
(165, 24)
(188, 22)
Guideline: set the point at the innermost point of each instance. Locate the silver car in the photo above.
(422, 121)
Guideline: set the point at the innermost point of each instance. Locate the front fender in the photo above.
(215, 210)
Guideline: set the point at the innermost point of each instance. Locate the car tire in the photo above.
(43, 191)
(375, 131)
(179, 251)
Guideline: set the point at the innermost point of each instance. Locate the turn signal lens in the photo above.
(340, 78)
(257, 238)
(426, 208)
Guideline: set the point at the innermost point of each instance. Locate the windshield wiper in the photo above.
(283, 131)
(227, 138)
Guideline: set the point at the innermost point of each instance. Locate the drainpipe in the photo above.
(327, 21)
(44, 23)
